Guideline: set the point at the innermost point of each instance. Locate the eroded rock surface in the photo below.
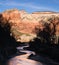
(24, 27)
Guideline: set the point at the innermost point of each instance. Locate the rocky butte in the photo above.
(25, 27)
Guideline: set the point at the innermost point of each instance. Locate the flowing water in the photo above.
(30, 58)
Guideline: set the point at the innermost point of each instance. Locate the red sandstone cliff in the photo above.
(24, 27)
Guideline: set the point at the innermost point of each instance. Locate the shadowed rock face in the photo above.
(25, 27)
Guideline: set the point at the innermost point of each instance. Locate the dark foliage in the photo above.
(44, 46)
(7, 44)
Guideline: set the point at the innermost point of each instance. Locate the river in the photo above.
(29, 58)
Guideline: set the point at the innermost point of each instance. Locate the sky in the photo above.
(30, 5)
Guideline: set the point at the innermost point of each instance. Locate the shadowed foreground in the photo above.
(34, 60)
(27, 57)
(18, 60)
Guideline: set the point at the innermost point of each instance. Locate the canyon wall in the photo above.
(25, 27)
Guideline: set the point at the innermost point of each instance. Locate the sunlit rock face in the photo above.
(24, 27)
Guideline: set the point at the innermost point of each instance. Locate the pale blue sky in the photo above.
(30, 5)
